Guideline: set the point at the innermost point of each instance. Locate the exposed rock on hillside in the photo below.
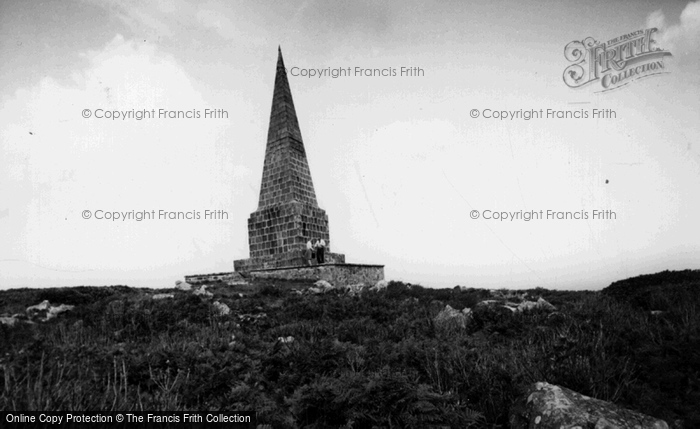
(163, 296)
(183, 285)
(355, 289)
(540, 304)
(203, 292)
(46, 311)
(508, 294)
(381, 284)
(9, 321)
(222, 309)
(323, 285)
(449, 317)
(547, 406)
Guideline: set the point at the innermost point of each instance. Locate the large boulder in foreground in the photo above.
(547, 406)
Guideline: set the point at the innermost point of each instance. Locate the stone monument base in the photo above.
(197, 279)
(335, 274)
(293, 258)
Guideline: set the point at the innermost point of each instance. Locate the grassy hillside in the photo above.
(377, 359)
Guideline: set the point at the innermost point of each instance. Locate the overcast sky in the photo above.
(398, 163)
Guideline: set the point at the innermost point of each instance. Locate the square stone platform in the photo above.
(335, 274)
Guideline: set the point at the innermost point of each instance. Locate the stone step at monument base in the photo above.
(232, 277)
(294, 258)
(335, 274)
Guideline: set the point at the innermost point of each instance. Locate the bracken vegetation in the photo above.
(373, 360)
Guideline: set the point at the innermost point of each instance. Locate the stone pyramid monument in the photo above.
(288, 214)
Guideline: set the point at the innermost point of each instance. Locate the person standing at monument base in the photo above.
(309, 252)
(320, 250)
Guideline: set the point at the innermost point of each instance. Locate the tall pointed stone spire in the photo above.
(286, 174)
(288, 214)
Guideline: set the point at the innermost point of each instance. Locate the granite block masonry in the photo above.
(288, 215)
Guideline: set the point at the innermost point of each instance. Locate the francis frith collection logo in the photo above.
(615, 63)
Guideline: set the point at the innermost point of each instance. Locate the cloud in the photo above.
(229, 25)
(346, 18)
(141, 18)
(683, 38)
(174, 18)
(212, 19)
(59, 164)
